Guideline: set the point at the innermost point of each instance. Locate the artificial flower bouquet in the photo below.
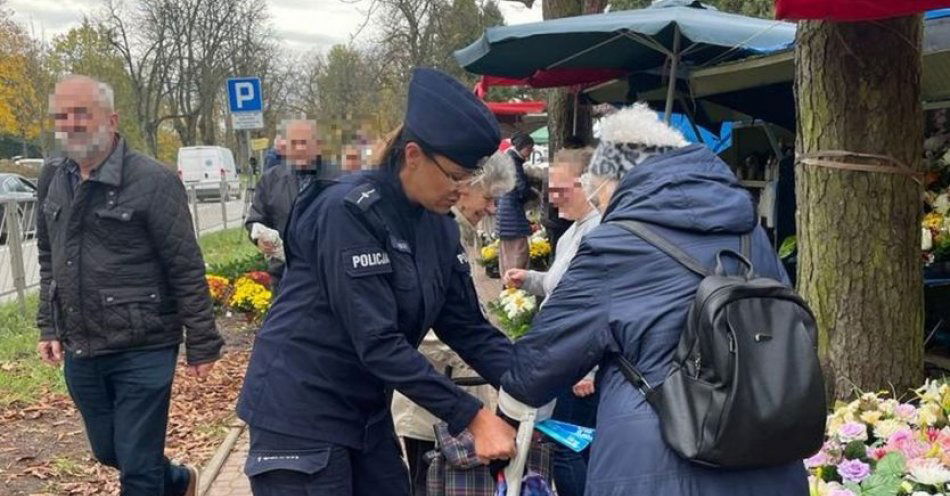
(515, 309)
(935, 230)
(878, 446)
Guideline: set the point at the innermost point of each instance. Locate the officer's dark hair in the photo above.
(391, 153)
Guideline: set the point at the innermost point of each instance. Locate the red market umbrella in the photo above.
(852, 10)
(516, 108)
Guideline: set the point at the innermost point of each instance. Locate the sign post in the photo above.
(246, 103)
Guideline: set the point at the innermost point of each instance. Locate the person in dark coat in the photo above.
(275, 155)
(512, 224)
(622, 295)
(373, 263)
(275, 193)
(121, 275)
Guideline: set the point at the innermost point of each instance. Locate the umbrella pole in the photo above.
(692, 122)
(674, 63)
(576, 100)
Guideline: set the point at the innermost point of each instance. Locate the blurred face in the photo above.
(566, 193)
(476, 203)
(432, 181)
(302, 145)
(85, 127)
(526, 151)
(351, 159)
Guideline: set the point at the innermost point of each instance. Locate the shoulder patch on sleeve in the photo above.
(462, 263)
(363, 196)
(366, 261)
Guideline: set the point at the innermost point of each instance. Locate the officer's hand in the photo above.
(201, 370)
(50, 351)
(585, 387)
(515, 277)
(266, 247)
(494, 438)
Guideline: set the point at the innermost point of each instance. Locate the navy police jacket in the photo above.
(367, 275)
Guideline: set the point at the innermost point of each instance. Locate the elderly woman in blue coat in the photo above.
(621, 295)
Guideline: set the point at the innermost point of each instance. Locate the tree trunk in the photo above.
(561, 101)
(859, 232)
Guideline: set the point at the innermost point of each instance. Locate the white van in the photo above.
(203, 166)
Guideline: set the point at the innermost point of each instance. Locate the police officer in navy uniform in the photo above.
(373, 263)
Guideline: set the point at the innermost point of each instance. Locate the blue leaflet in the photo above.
(573, 436)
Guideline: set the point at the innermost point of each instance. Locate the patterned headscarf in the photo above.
(628, 138)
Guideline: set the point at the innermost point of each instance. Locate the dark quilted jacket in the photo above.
(512, 221)
(120, 268)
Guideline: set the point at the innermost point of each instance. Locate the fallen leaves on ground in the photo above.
(41, 439)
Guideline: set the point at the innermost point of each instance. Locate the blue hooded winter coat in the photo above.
(621, 294)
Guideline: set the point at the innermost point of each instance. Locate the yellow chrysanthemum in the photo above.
(490, 252)
(539, 248)
(250, 297)
(933, 221)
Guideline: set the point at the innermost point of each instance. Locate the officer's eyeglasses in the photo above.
(464, 181)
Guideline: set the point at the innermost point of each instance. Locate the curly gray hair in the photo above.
(496, 175)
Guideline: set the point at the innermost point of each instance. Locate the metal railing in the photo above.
(19, 263)
(212, 210)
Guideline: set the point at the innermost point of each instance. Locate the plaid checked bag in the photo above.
(454, 470)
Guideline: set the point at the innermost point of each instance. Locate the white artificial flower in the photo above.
(887, 428)
(942, 204)
(929, 472)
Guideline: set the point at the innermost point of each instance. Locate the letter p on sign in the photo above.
(245, 93)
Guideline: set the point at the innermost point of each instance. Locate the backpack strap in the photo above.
(747, 245)
(642, 231)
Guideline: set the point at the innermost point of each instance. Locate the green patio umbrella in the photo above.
(669, 37)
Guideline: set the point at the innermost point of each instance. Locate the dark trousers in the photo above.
(279, 465)
(416, 450)
(570, 467)
(124, 399)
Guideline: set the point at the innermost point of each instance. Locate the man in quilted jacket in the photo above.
(120, 275)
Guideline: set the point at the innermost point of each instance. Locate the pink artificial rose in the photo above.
(817, 460)
(900, 436)
(906, 411)
(903, 441)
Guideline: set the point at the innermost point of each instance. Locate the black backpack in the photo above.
(745, 388)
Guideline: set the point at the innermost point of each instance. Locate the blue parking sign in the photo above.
(244, 94)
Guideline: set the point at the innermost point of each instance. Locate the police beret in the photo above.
(448, 119)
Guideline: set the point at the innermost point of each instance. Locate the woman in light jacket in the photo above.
(622, 295)
(414, 424)
(577, 405)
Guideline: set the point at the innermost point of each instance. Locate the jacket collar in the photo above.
(462, 220)
(110, 171)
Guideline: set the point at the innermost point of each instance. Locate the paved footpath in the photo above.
(231, 480)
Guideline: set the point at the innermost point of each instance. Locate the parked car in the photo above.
(23, 191)
(203, 168)
(35, 164)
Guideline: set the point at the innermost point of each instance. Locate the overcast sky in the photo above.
(302, 24)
